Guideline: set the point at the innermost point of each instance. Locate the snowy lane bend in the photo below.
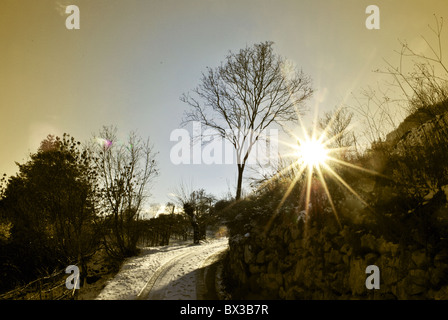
(166, 273)
(178, 278)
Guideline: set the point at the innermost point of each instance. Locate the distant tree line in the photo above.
(159, 230)
(198, 213)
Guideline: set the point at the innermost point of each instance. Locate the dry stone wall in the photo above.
(298, 261)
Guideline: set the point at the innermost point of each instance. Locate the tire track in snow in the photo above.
(179, 278)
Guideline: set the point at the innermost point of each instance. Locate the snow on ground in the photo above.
(135, 272)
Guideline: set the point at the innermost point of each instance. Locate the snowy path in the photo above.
(165, 273)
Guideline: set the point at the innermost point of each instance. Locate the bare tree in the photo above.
(125, 171)
(417, 87)
(198, 206)
(377, 113)
(251, 90)
(427, 83)
(336, 125)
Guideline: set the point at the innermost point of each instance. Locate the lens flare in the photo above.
(314, 158)
(105, 143)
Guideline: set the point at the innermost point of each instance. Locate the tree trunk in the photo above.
(240, 181)
(195, 225)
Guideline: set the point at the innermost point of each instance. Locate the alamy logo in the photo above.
(72, 21)
(373, 280)
(212, 147)
(373, 20)
(72, 281)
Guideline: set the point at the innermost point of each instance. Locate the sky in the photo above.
(130, 61)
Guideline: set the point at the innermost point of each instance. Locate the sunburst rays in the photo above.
(316, 156)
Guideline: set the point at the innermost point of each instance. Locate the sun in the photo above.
(315, 157)
(312, 153)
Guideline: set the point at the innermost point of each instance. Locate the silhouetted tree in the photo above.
(125, 171)
(336, 126)
(51, 205)
(251, 90)
(189, 211)
(198, 206)
(418, 81)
